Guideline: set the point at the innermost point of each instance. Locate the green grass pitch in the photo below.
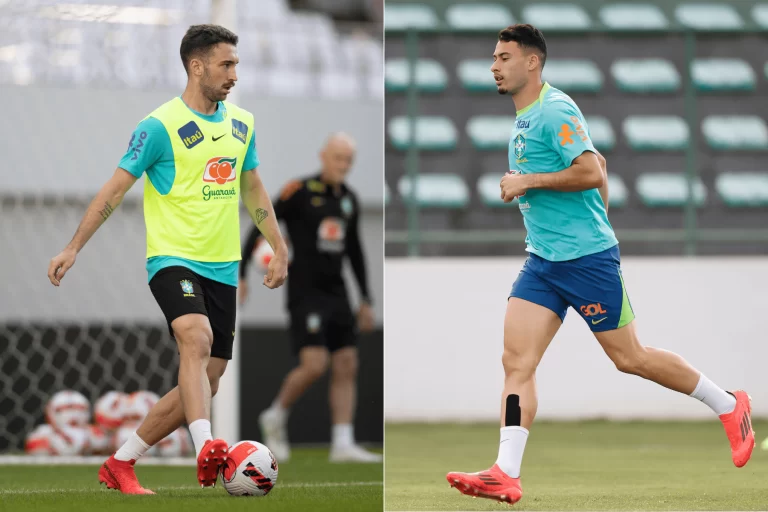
(596, 465)
(307, 482)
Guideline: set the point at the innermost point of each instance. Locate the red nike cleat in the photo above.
(492, 483)
(119, 474)
(209, 462)
(738, 427)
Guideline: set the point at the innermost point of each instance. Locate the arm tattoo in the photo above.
(106, 211)
(260, 214)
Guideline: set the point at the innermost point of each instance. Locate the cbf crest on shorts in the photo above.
(187, 288)
(519, 146)
(313, 323)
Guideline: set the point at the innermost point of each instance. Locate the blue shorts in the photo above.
(591, 285)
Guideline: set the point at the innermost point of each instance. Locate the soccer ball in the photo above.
(98, 440)
(138, 406)
(69, 440)
(171, 446)
(68, 408)
(263, 254)
(38, 441)
(250, 469)
(187, 446)
(109, 410)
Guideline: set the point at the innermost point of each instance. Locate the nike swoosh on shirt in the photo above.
(595, 323)
(214, 139)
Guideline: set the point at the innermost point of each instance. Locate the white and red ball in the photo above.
(69, 440)
(250, 469)
(171, 446)
(138, 406)
(38, 441)
(99, 441)
(68, 408)
(263, 254)
(109, 410)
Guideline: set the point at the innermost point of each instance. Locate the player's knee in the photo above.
(631, 361)
(315, 366)
(345, 365)
(518, 363)
(213, 379)
(195, 342)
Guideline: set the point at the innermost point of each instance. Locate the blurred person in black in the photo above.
(321, 214)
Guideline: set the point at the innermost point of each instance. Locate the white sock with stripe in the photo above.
(511, 448)
(713, 396)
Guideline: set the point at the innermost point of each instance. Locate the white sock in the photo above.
(201, 432)
(511, 448)
(342, 435)
(280, 412)
(133, 448)
(716, 398)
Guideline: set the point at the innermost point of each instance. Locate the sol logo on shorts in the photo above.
(220, 169)
(593, 310)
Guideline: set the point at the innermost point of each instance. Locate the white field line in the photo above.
(289, 485)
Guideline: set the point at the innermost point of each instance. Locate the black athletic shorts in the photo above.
(325, 322)
(179, 291)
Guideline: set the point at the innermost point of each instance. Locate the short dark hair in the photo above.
(200, 39)
(527, 36)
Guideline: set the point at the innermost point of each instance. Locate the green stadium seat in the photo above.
(735, 132)
(478, 17)
(409, 16)
(556, 16)
(490, 132)
(430, 75)
(645, 75)
(475, 75)
(435, 133)
(573, 75)
(711, 17)
(668, 189)
(489, 191)
(617, 191)
(601, 133)
(656, 132)
(723, 75)
(633, 17)
(743, 189)
(760, 15)
(435, 191)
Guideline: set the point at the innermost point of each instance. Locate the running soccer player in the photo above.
(322, 218)
(560, 182)
(199, 154)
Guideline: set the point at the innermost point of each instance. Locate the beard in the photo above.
(211, 92)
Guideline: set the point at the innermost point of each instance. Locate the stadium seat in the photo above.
(760, 15)
(645, 75)
(434, 133)
(710, 17)
(559, 16)
(617, 191)
(723, 75)
(435, 191)
(475, 75)
(430, 75)
(633, 17)
(478, 16)
(668, 189)
(490, 132)
(735, 132)
(409, 16)
(601, 133)
(576, 75)
(740, 189)
(656, 132)
(489, 191)
(387, 194)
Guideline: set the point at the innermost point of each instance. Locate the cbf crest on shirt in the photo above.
(548, 136)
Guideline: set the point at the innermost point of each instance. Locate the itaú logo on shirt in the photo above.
(220, 169)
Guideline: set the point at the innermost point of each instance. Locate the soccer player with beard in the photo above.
(560, 181)
(199, 154)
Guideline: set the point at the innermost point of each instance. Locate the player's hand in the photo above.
(277, 270)
(365, 318)
(60, 264)
(512, 186)
(242, 291)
